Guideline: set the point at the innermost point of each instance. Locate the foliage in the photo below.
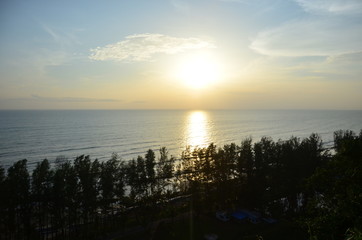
(335, 208)
(84, 198)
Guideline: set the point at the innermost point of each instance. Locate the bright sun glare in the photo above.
(198, 129)
(199, 71)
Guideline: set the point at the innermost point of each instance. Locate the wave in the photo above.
(131, 133)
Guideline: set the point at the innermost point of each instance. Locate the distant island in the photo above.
(285, 189)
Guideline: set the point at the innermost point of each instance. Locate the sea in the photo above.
(50, 134)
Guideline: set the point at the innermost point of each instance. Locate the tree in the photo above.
(71, 190)
(17, 189)
(3, 197)
(59, 196)
(108, 183)
(132, 178)
(164, 171)
(120, 183)
(244, 170)
(335, 208)
(141, 177)
(41, 186)
(245, 161)
(223, 175)
(259, 183)
(150, 169)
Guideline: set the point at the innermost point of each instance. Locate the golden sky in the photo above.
(178, 54)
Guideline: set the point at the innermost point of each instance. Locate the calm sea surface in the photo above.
(36, 135)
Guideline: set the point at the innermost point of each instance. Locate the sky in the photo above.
(181, 54)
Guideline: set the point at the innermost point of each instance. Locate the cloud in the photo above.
(259, 3)
(239, 1)
(143, 47)
(51, 32)
(139, 102)
(39, 102)
(316, 34)
(331, 6)
(61, 38)
(69, 99)
(346, 58)
(308, 38)
(181, 6)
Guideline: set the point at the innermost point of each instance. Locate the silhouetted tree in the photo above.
(88, 174)
(17, 189)
(244, 170)
(108, 183)
(336, 206)
(141, 177)
(244, 163)
(259, 183)
(164, 171)
(120, 183)
(72, 188)
(150, 169)
(132, 178)
(41, 186)
(3, 197)
(60, 198)
(278, 177)
(223, 174)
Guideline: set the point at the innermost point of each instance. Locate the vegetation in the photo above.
(298, 180)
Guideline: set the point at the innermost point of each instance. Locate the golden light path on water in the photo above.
(198, 129)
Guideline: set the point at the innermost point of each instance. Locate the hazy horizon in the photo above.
(40, 134)
(176, 109)
(181, 54)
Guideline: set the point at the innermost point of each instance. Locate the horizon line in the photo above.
(179, 109)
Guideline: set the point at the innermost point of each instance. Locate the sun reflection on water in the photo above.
(197, 129)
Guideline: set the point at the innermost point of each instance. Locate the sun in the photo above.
(199, 71)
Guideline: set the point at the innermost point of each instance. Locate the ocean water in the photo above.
(36, 135)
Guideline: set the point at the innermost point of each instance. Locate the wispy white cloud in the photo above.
(332, 6)
(309, 38)
(179, 5)
(51, 32)
(347, 58)
(260, 3)
(317, 34)
(61, 38)
(69, 99)
(40, 102)
(143, 47)
(239, 1)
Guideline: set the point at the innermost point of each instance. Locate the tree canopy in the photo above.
(295, 179)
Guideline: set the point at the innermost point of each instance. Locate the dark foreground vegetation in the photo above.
(315, 190)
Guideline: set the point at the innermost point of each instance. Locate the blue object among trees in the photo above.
(239, 215)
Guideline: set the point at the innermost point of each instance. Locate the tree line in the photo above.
(84, 198)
